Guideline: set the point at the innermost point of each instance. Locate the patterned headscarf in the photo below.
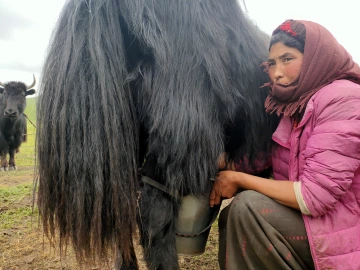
(324, 61)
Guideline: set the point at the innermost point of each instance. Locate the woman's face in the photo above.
(284, 63)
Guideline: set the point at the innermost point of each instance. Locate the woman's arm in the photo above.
(229, 182)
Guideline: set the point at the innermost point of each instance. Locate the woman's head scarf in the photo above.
(324, 61)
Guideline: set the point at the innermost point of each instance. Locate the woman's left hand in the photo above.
(226, 185)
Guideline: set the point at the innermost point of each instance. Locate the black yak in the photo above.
(12, 120)
(136, 87)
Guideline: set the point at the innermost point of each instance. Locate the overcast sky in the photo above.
(25, 29)
(26, 25)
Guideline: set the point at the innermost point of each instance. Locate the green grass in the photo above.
(30, 109)
(26, 157)
(14, 194)
(14, 205)
(22, 170)
(18, 217)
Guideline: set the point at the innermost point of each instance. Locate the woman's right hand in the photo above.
(226, 185)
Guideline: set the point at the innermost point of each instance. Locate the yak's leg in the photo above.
(132, 265)
(12, 165)
(4, 149)
(157, 229)
(4, 164)
(14, 146)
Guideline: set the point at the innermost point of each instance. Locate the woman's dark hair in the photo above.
(287, 40)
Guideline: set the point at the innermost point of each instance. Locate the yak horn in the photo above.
(32, 85)
(2, 84)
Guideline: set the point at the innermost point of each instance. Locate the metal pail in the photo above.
(193, 225)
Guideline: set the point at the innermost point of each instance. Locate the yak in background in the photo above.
(135, 87)
(12, 120)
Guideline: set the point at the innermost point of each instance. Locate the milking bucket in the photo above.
(193, 225)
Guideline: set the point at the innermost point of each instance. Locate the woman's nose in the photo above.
(278, 74)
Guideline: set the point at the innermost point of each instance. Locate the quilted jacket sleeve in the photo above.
(332, 153)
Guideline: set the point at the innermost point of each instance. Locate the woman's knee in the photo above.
(245, 201)
(241, 207)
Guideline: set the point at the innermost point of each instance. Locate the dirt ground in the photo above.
(23, 246)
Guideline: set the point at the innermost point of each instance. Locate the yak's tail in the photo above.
(87, 138)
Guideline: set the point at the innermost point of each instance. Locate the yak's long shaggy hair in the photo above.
(171, 83)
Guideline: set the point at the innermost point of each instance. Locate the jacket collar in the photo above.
(282, 133)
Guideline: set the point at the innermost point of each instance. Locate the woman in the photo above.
(310, 219)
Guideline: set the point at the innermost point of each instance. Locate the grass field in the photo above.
(22, 244)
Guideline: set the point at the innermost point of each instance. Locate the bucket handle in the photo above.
(165, 189)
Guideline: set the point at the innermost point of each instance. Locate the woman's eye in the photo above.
(270, 64)
(287, 59)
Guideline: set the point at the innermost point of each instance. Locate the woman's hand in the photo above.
(226, 185)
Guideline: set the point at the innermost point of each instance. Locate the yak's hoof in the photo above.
(12, 168)
(4, 169)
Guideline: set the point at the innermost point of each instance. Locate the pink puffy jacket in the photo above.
(323, 152)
